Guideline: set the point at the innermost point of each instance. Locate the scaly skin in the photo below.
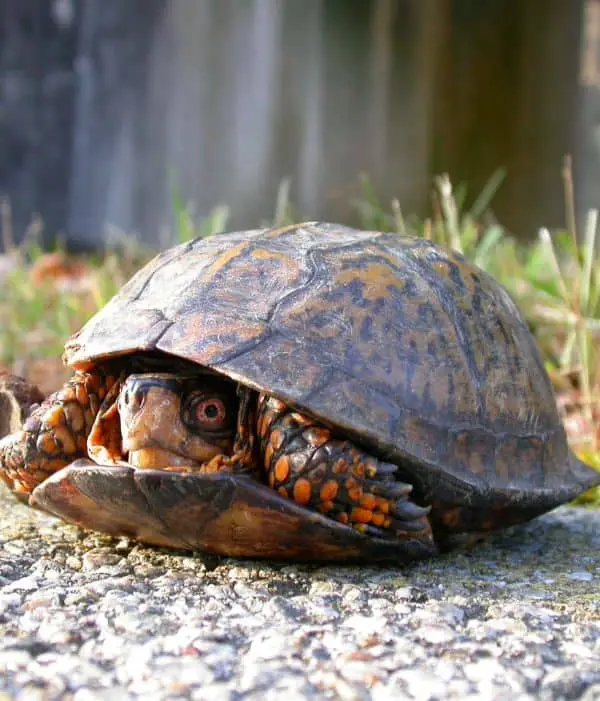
(54, 434)
(307, 464)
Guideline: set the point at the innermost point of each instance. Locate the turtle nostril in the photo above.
(133, 398)
(138, 398)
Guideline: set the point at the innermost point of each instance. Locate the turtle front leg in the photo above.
(54, 434)
(305, 463)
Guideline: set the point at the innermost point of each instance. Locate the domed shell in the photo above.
(403, 345)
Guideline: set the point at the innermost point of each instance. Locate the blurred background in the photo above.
(109, 107)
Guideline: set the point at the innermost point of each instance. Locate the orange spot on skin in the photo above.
(355, 494)
(268, 455)
(282, 469)
(277, 438)
(82, 397)
(65, 438)
(46, 444)
(368, 501)
(359, 470)
(55, 416)
(302, 491)
(325, 507)
(353, 490)
(378, 519)
(329, 491)
(340, 467)
(361, 515)
(316, 436)
(383, 505)
(300, 419)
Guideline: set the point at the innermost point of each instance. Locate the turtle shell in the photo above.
(402, 345)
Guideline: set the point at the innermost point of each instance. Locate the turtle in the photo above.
(313, 392)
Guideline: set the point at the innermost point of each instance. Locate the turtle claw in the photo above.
(408, 511)
(392, 513)
(414, 526)
(386, 469)
(389, 489)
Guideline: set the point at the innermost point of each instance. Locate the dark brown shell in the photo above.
(407, 347)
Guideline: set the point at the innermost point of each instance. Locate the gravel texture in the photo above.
(84, 617)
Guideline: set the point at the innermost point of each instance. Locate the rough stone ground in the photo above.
(84, 617)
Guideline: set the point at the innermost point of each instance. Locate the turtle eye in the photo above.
(210, 412)
(206, 413)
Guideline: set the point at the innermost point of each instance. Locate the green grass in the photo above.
(36, 318)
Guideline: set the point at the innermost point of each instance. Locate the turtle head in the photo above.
(176, 420)
(162, 419)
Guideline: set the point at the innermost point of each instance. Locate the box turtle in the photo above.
(312, 392)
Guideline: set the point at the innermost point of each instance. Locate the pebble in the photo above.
(436, 634)
(92, 619)
(581, 576)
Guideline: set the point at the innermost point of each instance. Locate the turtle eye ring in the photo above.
(210, 412)
(206, 413)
